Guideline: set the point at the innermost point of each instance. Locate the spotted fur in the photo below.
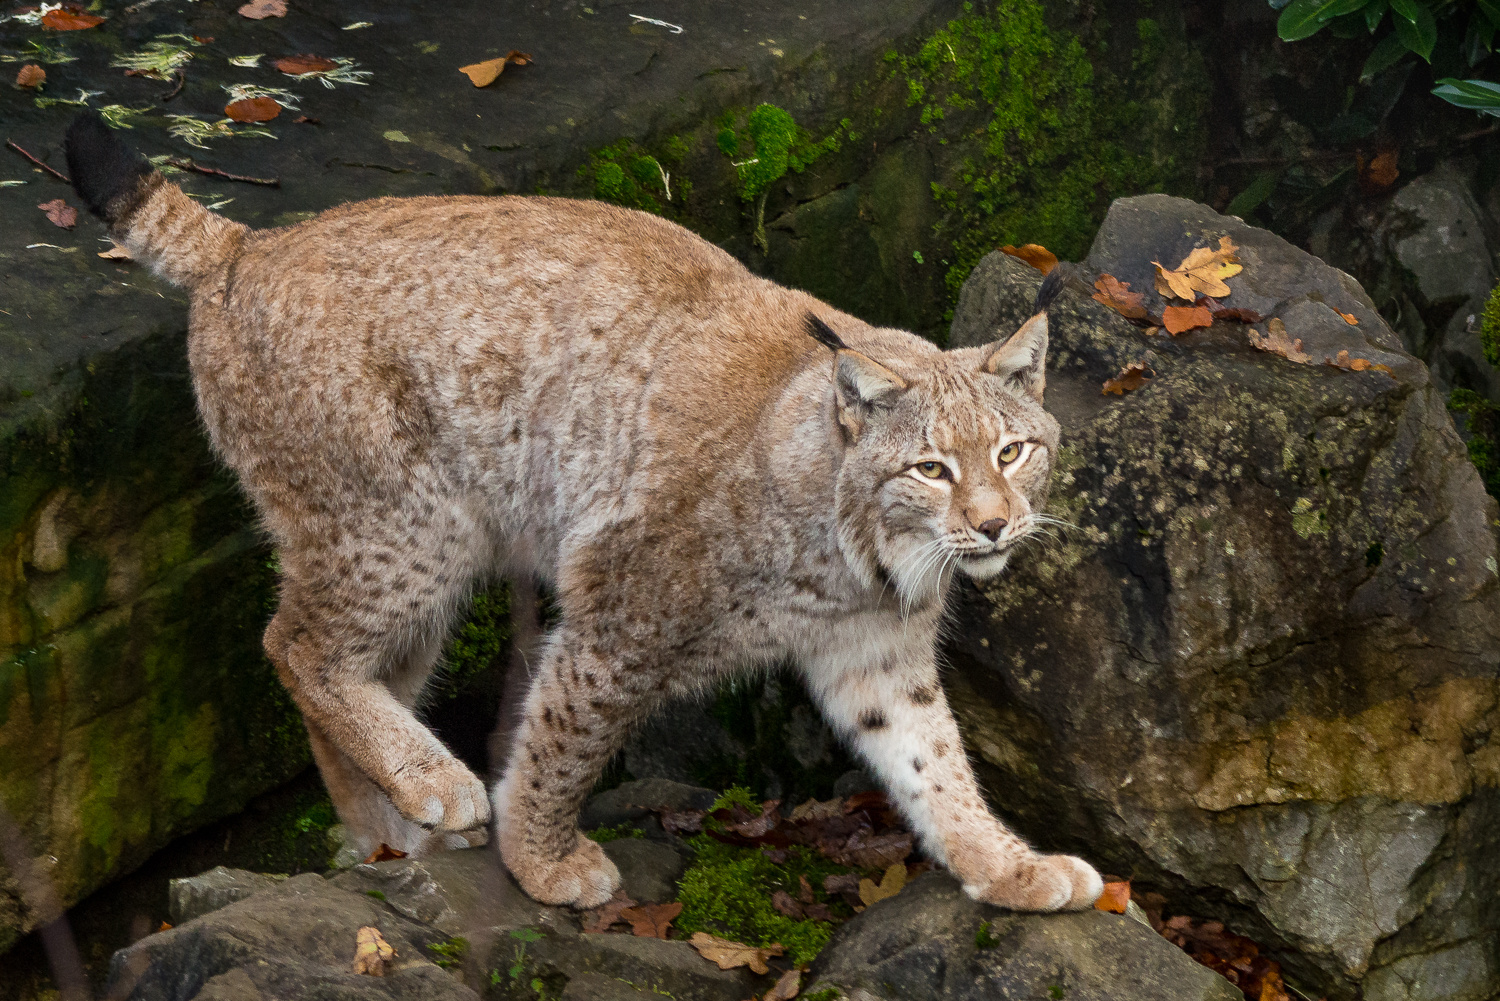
(421, 393)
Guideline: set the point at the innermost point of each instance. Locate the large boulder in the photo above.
(1260, 673)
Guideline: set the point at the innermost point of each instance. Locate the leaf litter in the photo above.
(372, 953)
(159, 59)
(31, 76)
(328, 72)
(1202, 271)
(1034, 254)
(485, 73)
(60, 213)
(729, 955)
(1129, 379)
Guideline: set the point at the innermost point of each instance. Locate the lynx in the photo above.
(713, 473)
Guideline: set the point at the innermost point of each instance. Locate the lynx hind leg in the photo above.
(575, 718)
(899, 721)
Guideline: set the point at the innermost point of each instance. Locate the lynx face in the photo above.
(955, 461)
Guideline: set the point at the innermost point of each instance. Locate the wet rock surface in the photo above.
(1262, 671)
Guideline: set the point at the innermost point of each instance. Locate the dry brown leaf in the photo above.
(1035, 254)
(1117, 296)
(31, 75)
(371, 952)
(1202, 272)
(1377, 174)
(1348, 364)
(252, 109)
(731, 955)
(1115, 898)
(875, 851)
(1349, 318)
(485, 73)
(1131, 377)
(164, 926)
(384, 853)
(1180, 319)
(257, 10)
(805, 891)
(70, 18)
(600, 918)
(787, 905)
(651, 920)
(305, 63)
(786, 988)
(116, 253)
(1277, 341)
(60, 213)
(890, 885)
(814, 810)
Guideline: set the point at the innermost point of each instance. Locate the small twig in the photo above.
(181, 81)
(675, 29)
(60, 176)
(197, 168)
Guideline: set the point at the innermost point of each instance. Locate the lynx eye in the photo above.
(932, 470)
(1010, 452)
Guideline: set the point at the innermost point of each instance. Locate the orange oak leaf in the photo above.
(252, 109)
(1349, 318)
(305, 63)
(1202, 272)
(384, 853)
(652, 920)
(1348, 364)
(30, 76)
(258, 10)
(1179, 319)
(1117, 296)
(70, 18)
(729, 955)
(1278, 342)
(600, 918)
(1035, 254)
(371, 952)
(1115, 898)
(485, 73)
(1131, 377)
(60, 213)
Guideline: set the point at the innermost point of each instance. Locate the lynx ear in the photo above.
(1022, 360)
(862, 381)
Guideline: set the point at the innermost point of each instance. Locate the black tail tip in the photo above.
(101, 166)
(1052, 285)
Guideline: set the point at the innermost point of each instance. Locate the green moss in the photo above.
(1042, 139)
(727, 892)
(604, 834)
(736, 796)
(768, 145)
(450, 953)
(984, 938)
(1481, 429)
(478, 643)
(826, 994)
(1489, 331)
(628, 174)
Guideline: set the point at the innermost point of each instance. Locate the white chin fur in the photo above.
(983, 567)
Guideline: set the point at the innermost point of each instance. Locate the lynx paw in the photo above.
(443, 795)
(585, 877)
(1042, 883)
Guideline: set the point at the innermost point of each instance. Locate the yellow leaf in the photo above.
(890, 885)
(485, 73)
(371, 952)
(1202, 272)
(729, 955)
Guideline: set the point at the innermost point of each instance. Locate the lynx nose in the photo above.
(991, 529)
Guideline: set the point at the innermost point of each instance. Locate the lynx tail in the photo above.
(181, 240)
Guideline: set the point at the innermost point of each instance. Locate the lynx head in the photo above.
(947, 461)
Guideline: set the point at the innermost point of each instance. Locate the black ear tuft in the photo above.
(823, 334)
(102, 167)
(1051, 286)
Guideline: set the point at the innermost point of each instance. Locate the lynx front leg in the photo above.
(899, 722)
(575, 718)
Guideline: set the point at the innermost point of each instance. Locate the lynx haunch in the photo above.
(422, 393)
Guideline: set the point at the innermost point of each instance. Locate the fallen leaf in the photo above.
(1130, 378)
(842, 883)
(116, 253)
(814, 810)
(786, 988)
(1035, 254)
(651, 920)
(731, 955)
(252, 109)
(305, 120)
(787, 905)
(371, 952)
(805, 890)
(306, 63)
(867, 851)
(257, 10)
(485, 73)
(1349, 318)
(384, 853)
(1115, 898)
(70, 18)
(1117, 296)
(1277, 341)
(31, 75)
(60, 213)
(682, 821)
(1379, 173)
(1348, 364)
(600, 918)
(203, 39)
(890, 885)
(164, 926)
(1237, 314)
(1180, 319)
(1202, 271)
(1232, 956)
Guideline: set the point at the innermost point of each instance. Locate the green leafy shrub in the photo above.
(1489, 331)
(1481, 425)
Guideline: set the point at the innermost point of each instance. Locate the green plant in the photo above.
(451, 952)
(615, 833)
(826, 994)
(1481, 426)
(1416, 27)
(1489, 330)
(627, 174)
(769, 144)
(984, 938)
(523, 937)
(377, 894)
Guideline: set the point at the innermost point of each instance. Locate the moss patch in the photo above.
(629, 174)
(1489, 331)
(1481, 428)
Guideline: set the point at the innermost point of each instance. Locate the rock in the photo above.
(1261, 674)
(853, 781)
(598, 987)
(632, 801)
(454, 891)
(197, 895)
(649, 870)
(923, 945)
(289, 942)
